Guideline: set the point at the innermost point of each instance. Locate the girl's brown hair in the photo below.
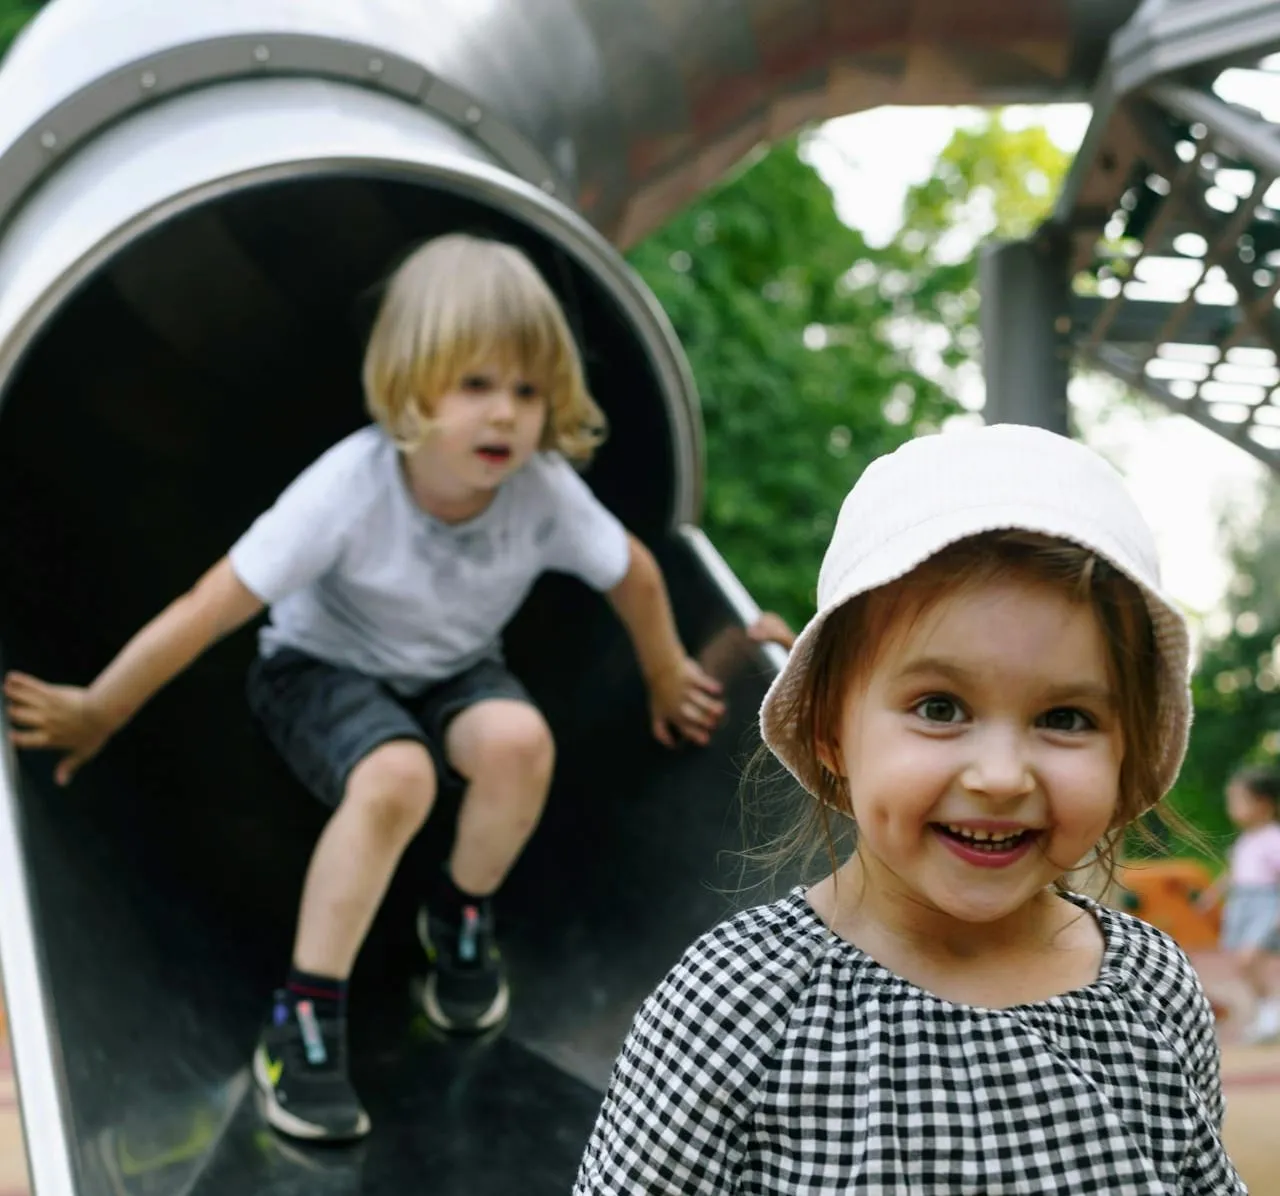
(459, 302)
(846, 649)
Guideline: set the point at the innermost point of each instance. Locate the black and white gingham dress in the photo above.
(778, 1060)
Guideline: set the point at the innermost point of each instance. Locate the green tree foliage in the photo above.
(1236, 687)
(815, 352)
(13, 15)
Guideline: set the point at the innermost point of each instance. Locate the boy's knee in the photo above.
(395, 784)
(511, 737)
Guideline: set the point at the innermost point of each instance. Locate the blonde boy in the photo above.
(390, 567)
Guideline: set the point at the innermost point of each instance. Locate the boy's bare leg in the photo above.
(505, 751)
(388, 797)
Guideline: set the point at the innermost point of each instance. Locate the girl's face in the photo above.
(982, 749)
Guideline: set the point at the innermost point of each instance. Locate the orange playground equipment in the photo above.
(1164, 893)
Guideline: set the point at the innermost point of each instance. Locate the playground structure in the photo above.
(196, 202)
(1164, 893)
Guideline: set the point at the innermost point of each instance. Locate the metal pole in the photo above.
(1025, 330)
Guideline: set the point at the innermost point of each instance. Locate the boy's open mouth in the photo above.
(984, 847)
(494, 454)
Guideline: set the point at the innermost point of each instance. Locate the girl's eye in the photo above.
(1067, 718)
(476, 383)
(938, 708)
(527, 390)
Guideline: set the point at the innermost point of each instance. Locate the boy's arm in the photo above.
(682, 696)
(79, 721)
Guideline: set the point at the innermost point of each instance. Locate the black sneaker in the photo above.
(301, 1067)
(466, 990)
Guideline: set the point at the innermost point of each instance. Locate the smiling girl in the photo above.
(992, 688)
(391, 566)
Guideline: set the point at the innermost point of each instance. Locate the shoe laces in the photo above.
(312, 1039)
(469, 936)
(311, 1049)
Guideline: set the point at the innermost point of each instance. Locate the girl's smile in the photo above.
(990, 845)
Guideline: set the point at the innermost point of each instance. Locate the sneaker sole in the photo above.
(290, 1123)
(494, 1014)
(486, 1021)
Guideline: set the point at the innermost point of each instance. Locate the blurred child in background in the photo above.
(1251, 885)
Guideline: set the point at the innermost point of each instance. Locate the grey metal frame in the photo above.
(1147, 173)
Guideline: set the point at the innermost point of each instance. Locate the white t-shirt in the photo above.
(357, 574)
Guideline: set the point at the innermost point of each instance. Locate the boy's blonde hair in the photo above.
(459, 302)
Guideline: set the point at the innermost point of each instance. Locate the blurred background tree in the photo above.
(13, 15)
(815, 352)
(1236, 687)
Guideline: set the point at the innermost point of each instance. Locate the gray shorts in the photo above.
(324, 719)
(1251, 918)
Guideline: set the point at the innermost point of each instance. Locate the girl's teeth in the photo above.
(983, 836)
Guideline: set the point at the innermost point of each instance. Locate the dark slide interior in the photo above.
(166, 405)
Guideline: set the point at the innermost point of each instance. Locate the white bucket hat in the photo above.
(933, 491)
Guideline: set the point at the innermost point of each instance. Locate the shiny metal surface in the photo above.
(209, 143)
(34, 1042)
(628, 107)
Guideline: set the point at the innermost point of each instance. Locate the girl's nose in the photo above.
(998, 767)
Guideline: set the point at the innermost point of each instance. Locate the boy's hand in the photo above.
(685, 700)
(771, 628)
(60, 717)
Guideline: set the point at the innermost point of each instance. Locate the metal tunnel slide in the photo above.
(197, 203)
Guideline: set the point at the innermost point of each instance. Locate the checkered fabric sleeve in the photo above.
(1175, 1001)
(676, 1114)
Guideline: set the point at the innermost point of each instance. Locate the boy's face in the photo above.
(485, 428)
(982, 750)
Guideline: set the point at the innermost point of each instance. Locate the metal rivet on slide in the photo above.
(148, 80)
(473, 115)
(261, 53)
(49, 139)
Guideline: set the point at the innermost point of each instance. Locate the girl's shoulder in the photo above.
(767, 947)
(1146, 963)
(736, 989)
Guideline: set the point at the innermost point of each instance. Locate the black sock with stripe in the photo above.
(447, 901)
(328, 996)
